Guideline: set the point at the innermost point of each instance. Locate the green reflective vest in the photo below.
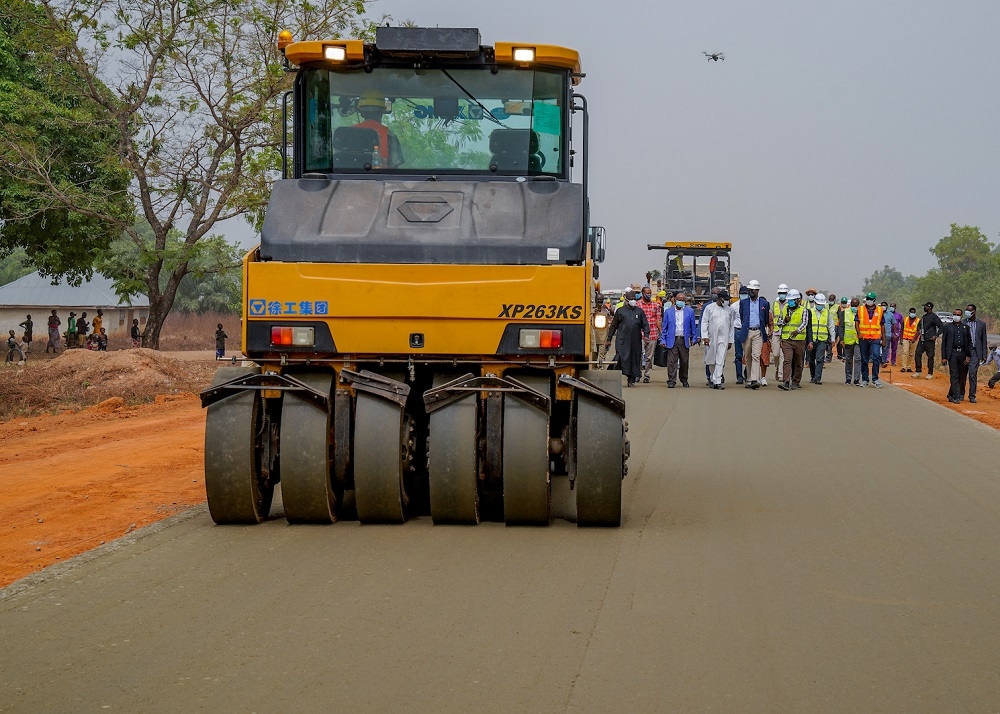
(850, 326)
(821, 324)
(793, 321)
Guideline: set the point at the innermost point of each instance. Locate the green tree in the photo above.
(964, 249)
(14, 266)
(892, 286)
(63, 193)
(194, 99)
(214, 269)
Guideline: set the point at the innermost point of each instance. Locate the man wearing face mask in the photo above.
(871, 330)
(654, 316)
(931, 328)
(895, 334)
(717, 321)
(831, 300)
(738, 345)
(753, 331)
(794, 326)
(628, 328)
(679, 333)
(778, 312)
(709, 366)
(977, 331)
(908, 340)
(821, 329)
(852, 345)
(956, 352)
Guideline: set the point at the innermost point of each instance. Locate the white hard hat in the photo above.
(782, 288)
(794, 294)
(753, 285)
(821, 299)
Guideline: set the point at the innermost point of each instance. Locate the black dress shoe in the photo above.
(972, 400)
(754, 385)
(685, 385)
(671, 386)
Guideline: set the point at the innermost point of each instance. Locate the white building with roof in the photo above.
(36, 296)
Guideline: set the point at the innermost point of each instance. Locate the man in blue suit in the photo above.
(679, 333)
(753, 331)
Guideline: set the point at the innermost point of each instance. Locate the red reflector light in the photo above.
(551, 338)
(281, 335)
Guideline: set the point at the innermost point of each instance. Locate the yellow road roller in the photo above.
(417, 316)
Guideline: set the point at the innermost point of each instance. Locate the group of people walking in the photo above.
(794, 332)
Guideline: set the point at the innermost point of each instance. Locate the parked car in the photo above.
(946, 317)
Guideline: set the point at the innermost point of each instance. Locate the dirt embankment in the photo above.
(76, 379)
(985, 410)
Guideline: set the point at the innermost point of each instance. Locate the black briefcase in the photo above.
(660, 355)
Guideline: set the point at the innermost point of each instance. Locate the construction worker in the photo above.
(908, 340)
(871, 331)
(794, 325)
(372, 106)
(601, 319)
(831, 301)
(818, 339)
(852, 347)
(778, 310)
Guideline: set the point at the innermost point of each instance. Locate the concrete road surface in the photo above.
(828, 550)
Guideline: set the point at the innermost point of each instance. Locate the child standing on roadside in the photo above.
(134, 334)
(220, 342)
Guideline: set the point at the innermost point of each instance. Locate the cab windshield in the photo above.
(434, 121)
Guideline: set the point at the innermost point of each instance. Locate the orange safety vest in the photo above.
(870, 328)
(383, 136)
(910, 328)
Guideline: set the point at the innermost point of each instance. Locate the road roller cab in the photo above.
(417, 315)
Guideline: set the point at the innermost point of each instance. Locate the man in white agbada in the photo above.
(717, 324)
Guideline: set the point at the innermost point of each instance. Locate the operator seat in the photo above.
(515, 150)
(353, 146)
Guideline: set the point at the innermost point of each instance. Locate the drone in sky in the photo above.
(715, 56)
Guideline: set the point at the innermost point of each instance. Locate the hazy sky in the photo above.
(836, 137)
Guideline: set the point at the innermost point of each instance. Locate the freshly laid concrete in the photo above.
(827, 550)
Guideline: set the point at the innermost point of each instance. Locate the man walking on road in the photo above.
(871, 330)
(601, 320)
(956, 352)
(717, 331)
(818, 339)
(977, 333)
(908, 340)
(654, 316)
(894, 334)
(678, 335)
(628, 328)
(852, 345)
(738, 344)
(931, 328)
(793, 325)
(753, 331)
(779, 311)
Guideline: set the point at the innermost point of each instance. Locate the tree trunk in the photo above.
(160, 304)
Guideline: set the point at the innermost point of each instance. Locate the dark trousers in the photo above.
(738, 346)
(959, 373)
(819, 353)
(795, 352)
(678, 355)
(852, 362)
(973, 374)
(925, 347)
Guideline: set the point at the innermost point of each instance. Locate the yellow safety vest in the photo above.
(850, 328)
(777, 310)
(793, 321)
(821, 326)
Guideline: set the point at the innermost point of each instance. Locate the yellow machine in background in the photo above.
(418, 310)
(695, 267)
